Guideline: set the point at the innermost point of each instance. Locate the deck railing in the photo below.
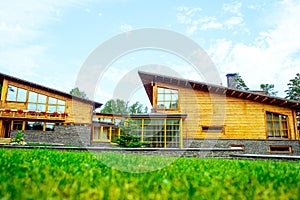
(31, 114)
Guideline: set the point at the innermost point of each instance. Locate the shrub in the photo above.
(19, 139)
(128, 136)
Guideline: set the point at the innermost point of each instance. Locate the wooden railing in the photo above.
(30, 114)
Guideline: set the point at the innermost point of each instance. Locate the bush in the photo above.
(128, 138)
(129, 141)
(19, 139)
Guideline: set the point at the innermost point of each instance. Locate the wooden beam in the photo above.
(273, 101)
(256, 98)
(225, 90)
(241, 94)
(265, 99)
(217, 90)
(232, 93)
(249, 95)
(194, 84)
(285, 102)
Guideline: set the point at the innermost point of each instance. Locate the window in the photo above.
(212, 129)
(280, 149)
(34, 126)
(160, 132)
(39, 126)
(36, 101)
(237, 146)
(277, 126)
(56, 105)
(40, 102)
(17, 125)
(167, 99)
(50, 126)
(16, 94)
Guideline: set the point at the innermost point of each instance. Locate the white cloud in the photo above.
(234, 7)
(233, 21)
(273, 57)
(126, 27)
(211, 25)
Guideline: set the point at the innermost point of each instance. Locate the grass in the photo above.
(50, 174)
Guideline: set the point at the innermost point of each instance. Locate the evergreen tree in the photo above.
(293, 91)
(76, 92)
(240, 83)
(269, 89)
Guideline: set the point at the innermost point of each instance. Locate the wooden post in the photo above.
(101, 133)
(142, 130)
(165, 133)
(110, 130)
(23, 125)
(12, 125)
(180, 134)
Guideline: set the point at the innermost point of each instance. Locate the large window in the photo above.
(160, 132)
(37, 101)
(277, 125)
(16, 94)
(56, 105)
(41, 102)
(167, 98)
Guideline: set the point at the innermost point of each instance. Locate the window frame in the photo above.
(278, 124)
(37, 102)
(167, 100)
(17, 94)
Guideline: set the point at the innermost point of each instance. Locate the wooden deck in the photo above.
(28, 114)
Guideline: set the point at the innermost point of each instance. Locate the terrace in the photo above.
(31, 114)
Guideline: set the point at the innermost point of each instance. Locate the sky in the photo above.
(48, 42)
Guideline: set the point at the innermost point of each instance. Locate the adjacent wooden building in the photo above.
(35, 108)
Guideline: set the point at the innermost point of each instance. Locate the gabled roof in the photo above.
(149, 79)
(24, 82)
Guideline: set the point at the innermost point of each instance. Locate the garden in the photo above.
(52, 174)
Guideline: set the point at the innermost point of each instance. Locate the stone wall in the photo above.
(251, 146)
(68, 135)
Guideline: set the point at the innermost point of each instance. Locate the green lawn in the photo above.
(50, 174)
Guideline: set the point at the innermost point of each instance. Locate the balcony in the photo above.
(31, 114)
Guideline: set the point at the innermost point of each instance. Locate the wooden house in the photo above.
(224, 115)
(44, 114)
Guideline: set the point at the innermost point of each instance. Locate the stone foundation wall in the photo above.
(251, 146)
(68, 135)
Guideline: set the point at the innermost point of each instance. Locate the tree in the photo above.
(76, 92)
(136, 108)
(269, 89)
(115, 106)
(293, 93)
(240, 83)
(118, 106)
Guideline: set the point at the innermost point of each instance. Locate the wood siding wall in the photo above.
(240, 118)
(78, 112)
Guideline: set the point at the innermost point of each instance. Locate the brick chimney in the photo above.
(231, 82)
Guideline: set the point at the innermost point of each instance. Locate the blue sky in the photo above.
(48, 41)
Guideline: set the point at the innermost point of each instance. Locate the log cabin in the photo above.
(44, 114)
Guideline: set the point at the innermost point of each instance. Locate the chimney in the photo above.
(231, 82)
